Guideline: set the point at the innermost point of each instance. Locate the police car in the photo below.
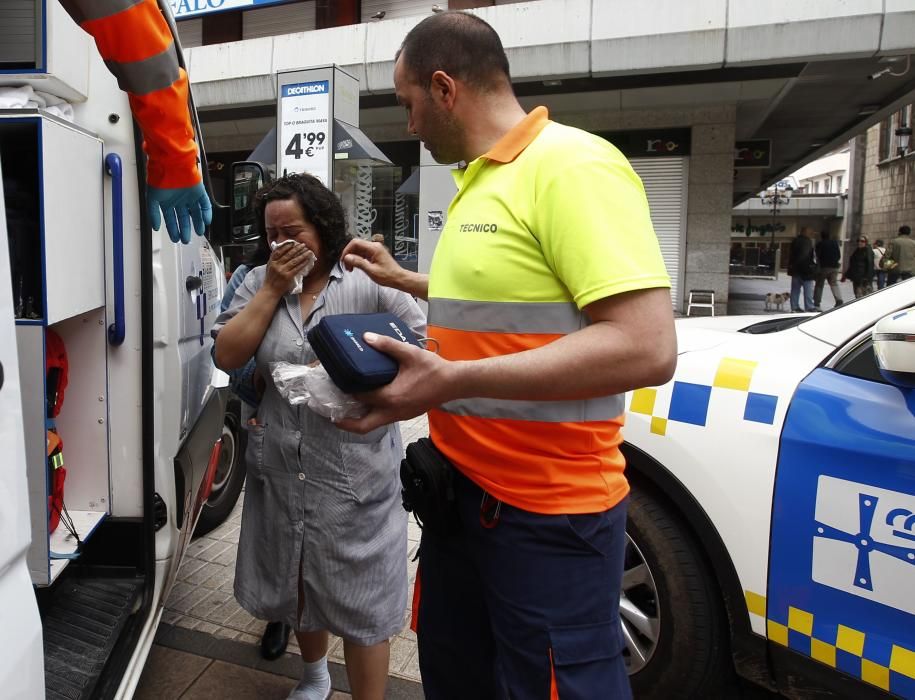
(772, 516)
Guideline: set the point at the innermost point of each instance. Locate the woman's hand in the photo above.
(285, 263)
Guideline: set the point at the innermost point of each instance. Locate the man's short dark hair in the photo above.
(904, 230)
(321, 207)
(460, 44)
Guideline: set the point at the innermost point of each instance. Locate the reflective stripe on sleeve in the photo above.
(506, 317)
(149, 75)
(600, 409)
(89, 10)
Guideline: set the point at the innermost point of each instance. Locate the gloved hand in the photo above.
(180, 205)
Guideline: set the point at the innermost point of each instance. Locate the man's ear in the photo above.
(442, 87)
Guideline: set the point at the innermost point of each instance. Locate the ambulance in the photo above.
(112, 416)
(772, 515)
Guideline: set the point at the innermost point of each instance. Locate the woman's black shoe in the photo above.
(273, 643)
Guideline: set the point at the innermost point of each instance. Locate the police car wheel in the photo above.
(673, 621)
(230, 474)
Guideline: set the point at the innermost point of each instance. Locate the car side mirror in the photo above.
(247, 178)
(894, 348)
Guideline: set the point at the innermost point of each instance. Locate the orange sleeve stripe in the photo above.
(168, 136)
(132, 35)
(554, 689)
(473, 345)
(414, 608)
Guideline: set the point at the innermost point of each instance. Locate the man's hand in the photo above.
(423, 381)
(180, 206)
(374, 260)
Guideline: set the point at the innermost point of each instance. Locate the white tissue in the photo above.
(298, 279)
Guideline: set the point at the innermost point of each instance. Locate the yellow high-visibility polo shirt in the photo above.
(551, 219)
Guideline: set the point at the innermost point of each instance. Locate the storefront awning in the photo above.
(350, 143)
(410, 185)
(265, 151)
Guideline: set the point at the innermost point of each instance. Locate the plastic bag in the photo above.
(299, 278)
(311, 385)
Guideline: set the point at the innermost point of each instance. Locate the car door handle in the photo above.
(1, 375)
(193, 282)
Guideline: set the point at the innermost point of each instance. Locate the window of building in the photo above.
(816, 187)
(887, 142)
(827, 185)
(839, 179)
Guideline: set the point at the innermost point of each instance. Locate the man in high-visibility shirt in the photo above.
(136, 44)
(549, 299)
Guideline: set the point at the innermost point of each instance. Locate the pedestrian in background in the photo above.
(879, 272)
(802, 268)
(902, 253)
(828, 255)
(549, 299)
(860, 269)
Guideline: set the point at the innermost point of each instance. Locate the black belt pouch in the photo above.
(427, 478)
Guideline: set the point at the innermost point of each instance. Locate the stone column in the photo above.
(709, 205)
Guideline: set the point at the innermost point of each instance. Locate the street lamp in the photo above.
(778, 196)
(903, 135)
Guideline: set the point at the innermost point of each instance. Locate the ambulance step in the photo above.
(81, 625)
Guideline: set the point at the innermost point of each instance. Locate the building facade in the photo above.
(888, 178)
(712, 101)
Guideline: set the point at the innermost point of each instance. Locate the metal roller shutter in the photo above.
(280, 19)
(665, 184)
(399, 8)
(18, 21)
(190, 32)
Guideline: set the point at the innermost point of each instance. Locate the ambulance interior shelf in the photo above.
(53, 184)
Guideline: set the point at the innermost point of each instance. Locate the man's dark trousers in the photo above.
(508, 610)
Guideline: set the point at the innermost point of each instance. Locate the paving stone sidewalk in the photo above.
(202, 599)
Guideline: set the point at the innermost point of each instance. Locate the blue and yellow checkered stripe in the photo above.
(689, 402)
(873, 659)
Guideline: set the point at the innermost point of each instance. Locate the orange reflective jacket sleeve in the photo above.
(136, 44)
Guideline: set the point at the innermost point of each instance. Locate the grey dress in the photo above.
(322, 504)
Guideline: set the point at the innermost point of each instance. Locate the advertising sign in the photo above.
(305, 129)
(654, 143)
(756, 153)
(185, 9)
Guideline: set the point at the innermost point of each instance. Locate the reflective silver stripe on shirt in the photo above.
(150, 74)
(89, 10)
(600, 409)
(506, 316)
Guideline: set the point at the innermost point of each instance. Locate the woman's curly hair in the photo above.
(320, 206)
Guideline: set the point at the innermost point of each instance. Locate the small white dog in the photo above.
(776, 300)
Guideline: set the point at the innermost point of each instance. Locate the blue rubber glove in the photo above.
(180, 206)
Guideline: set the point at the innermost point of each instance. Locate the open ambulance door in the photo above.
(21, 668)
